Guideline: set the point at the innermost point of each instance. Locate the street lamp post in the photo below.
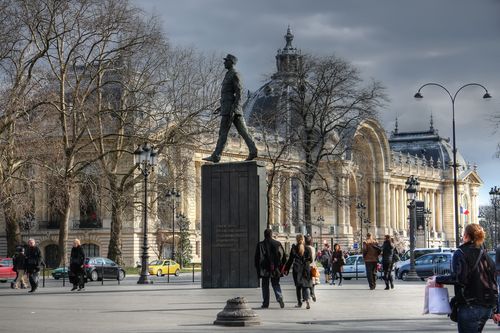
(495, 201)
(145, 160)
(361, 207)
(412, 187)
(174, 196)
(27, 223)
(428, 215)
(321, 221)
(455, 185)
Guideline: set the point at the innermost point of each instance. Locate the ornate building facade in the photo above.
(373, 171)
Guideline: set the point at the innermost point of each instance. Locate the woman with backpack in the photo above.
(473, 277)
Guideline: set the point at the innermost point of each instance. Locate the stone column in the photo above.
(372, 206)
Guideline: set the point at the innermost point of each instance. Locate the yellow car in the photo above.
(163, 267)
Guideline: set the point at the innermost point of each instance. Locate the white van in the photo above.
(405, 258)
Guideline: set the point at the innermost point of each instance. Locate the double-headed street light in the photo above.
(361, 207)
(495, 201)
(455, 185)
(428, 215)
(145, 158)
(27, 223)
(175, 197)
(412, 187)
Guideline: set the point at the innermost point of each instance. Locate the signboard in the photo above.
(355, 246)
(420, 207)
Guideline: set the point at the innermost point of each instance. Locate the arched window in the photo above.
(91, 250)
(51, 254)
(90, 200)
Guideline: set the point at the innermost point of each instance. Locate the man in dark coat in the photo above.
(387, 261)
(269, 259)
(33, 261)
(231, 112)
(77, 260)
(19, 263)
(371, 251)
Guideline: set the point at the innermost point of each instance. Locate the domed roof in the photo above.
(426, 144)
(267, 106)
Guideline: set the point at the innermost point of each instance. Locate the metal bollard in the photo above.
(43, 277)
(356, 269)
(193, 272)
(102, 274)
(64, 277)
(168, 271)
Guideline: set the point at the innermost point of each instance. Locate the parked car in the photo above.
(58, 273)
(356, 263)
(164, 266)
(98, 268)
(428, 265)
(7, 270)
(405, 258)
(492, 255)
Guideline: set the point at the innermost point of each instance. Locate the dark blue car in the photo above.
(428, 265)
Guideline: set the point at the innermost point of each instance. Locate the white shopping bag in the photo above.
(426, 299)
(438, 301)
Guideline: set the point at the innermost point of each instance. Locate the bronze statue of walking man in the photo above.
(231, 112)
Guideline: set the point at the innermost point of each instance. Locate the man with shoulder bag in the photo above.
(269, 260)
(371, 251)
(473, 277)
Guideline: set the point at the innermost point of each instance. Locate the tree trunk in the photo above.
(115, 237)
(63, 227)
(307, 205)
(11, 229)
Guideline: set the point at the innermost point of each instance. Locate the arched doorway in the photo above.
(91, 250)
(51, 254)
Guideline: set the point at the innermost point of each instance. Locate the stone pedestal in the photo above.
(237, 313)
(233, 221)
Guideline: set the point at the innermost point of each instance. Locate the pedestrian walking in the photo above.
(300, 260)
(315, 280)
(326, 260)
(270, 260)
(19, 266)
(473, 277)
(387, 261)
(371, 251)
(33, 261)
(337, 264)
(76, 262)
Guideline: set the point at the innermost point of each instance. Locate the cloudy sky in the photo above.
(402, 43)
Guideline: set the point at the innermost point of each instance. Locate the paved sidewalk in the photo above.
(185, 307)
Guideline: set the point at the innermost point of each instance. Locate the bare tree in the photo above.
(326, 101)
(24, 36)
(487, 221)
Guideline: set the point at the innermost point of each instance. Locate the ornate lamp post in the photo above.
(455, 185)
(175, 197)
(428, 215)
(27, 224)
(145, 160)
(360, 206)
(320, 220)
(412, 187)
(495, 201)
